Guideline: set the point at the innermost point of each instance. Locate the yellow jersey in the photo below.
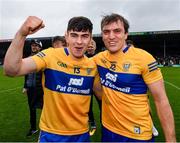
(124, 78)
(67, 86)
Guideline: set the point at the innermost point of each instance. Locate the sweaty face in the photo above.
(114, 36)
(78, 42)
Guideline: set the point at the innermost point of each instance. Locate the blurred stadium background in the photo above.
(163, 45)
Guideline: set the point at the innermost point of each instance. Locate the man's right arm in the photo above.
(14, 65)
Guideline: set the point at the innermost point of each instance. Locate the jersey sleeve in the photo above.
(151, 73)
(41, 59)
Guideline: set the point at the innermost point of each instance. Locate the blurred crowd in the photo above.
(168, 60)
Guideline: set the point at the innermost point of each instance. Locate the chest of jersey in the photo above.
(65, 77)
(123, 75)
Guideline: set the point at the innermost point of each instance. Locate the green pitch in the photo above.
(14, 113)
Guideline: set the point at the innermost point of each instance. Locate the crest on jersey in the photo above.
(137, 130)
(88, 70)
(126, 66)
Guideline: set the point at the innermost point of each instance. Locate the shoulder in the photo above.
(142, 54)
(45, 52)
(147, 62)
(141, 51)
(89, 62)
(100, 55)
(48, 50)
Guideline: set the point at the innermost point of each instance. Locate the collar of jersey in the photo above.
(66, 51)
(126, 48)
(78, 61)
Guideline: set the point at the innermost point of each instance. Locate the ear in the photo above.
(66, 38)
(126, 36)
(66, 35)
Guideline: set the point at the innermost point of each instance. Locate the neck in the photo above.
(120, 50)
(125, 45)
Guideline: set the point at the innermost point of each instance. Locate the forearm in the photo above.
(163, 109)
(98, 94)
(13, 58)
(97, 90)
(167, 120)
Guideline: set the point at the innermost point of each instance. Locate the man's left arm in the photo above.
(164, 110)
(97, 88)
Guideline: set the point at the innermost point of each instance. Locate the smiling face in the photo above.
(78, 42)
(35, 48)
(91, 48)
(114, 36)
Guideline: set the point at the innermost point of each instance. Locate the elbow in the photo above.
(8, 71)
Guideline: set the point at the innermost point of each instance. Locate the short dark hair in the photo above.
(80, 23)
(107, 19)
(37, 42)
(59, 38)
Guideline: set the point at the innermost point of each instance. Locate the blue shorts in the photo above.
(108, 136)
(49, 137)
